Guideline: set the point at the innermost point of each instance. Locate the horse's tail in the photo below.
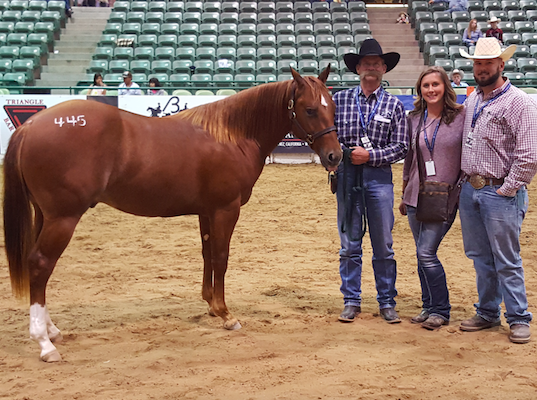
(18, 221)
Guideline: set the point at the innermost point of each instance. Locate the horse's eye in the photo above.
(310, 112)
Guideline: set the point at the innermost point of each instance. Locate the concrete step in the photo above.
(82, 49)
(73, 74)
(63, 63)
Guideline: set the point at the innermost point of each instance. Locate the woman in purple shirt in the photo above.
(439, 121)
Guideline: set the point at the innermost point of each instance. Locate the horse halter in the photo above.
(309, 138)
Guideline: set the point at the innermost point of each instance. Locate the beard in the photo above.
(487, 81)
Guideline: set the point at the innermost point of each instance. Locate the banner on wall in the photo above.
(16, 109)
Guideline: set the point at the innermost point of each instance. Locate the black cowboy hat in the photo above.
(370, 47)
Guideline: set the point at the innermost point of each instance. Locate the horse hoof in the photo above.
(211, 312)
(56, 339)
(232, 325)
(53, 356)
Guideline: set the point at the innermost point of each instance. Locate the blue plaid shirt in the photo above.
(388, 131)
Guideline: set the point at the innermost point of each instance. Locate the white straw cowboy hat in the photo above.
(456, 71)
(494, 19)
(489, 48)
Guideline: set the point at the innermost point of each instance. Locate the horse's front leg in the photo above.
(222, 224)
(207, 287)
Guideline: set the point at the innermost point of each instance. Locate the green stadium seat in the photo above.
(182, 66)
(118, 66)
(516, 15)
(155, 17)
(500, 14)
(124, 53)
(460, 16)
(267, 53)
(31, 16)
(528, 5)
(244, 80)
(284, 77)
(228, 53)
(521, 26)
(344, 40)
(516, 78)
(307, 53)
(492, 5)
(341, 51)
(326, 53)
(320, 7)
(108, 40)
(12, 15)
(118, 16)
(37, 5)
(208, 29)
(305, 40)
(223, 79)
(527, 38)
(5, 65)
(173, 17)
(204, 92)
(180, 92)
(170, 28)
(115, 28)
(299, 6)
(148, 41)
(19, 5)
(139, 6)
(350, 78)
(206, 53)
(17, 39)
(144, 53)
(248, 53)
(41, 40)
(325, 40)
(97, 66)
(157, 6)
(436, 52)
(245, 67)
(207, 41)
(140, 66)
(267, 67)
(247, 18)
(308, 67)
(137, 77)
(192, 17)
(512, 38)
(132, 28)
(226, 92)
(339, 29)
(442, 16)
(185, 53)
(124, 6)
(162, 66)
(508, 5)
(114, 78)
(266, 18)
(527, 65)
(359, 39)
(265, 78)
(31, 52)
(531, 78)
(284, 66)
(162, 77)
(444, 63)
(181, 40)
(151, 28)
(201, 80)
(286, 53)
(466, 65)
(304, 18)
(210, 18)
(334, 65)
(479, 16)
(507, 26)
(228, 29)
(136, 16)
(18, 78)
(179, 80)
(439, 6)
(447, 27)
(533, 51)
(7, 26)
(103, 53)
(227, 40)
(340, 17)
(475, 5)
(511, 65)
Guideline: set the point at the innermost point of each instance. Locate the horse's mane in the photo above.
(246, 114)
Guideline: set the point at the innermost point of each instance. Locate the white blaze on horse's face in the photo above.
(323, 101)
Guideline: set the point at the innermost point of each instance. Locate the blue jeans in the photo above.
(378, 187)
(428, 236)
(490, 229)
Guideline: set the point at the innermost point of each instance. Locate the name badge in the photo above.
(470, 139)
(366, 143)
(380, 118)
(429, 168)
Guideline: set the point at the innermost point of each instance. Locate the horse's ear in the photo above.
(323, 76)
(297, 77)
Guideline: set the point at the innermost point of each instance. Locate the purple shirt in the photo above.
(446, 156)
(504, 140)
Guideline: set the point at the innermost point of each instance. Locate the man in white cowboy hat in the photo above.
(373, 131)
(456, 78)
(494, 31)
(499, 158)
(128, 87)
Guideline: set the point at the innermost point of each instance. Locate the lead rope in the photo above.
(349, 198)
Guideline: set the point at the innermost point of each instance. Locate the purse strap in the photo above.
(418, 151)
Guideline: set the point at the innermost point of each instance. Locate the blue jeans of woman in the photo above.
(491, 226)
(428, 236)
(378, 195)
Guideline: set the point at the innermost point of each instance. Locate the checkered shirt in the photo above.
(390, 140)
(504, 141)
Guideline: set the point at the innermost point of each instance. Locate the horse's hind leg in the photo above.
(207, 286)
(51, 242)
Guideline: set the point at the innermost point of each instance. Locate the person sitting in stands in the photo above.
(156, 89)
(456, 78)
(128, 87)
(494, 31)
(98, 84)
(471, 34)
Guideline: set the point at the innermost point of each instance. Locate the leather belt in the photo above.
(479, 181)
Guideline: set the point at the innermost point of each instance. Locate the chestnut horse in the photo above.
(203, 161)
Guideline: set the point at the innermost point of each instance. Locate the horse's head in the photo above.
(312, 111)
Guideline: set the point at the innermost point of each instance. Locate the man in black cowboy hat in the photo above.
(373, 131)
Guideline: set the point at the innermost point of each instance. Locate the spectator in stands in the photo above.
(494, 31)
(456, 78)
(454, 5)
(157, 91)
(437, 122)
(499, 158)
(128, 87)
(96, 89)
(403, 18)
(373, 130)
(471, 34)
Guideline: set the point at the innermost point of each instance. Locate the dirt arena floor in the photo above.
(127, 297)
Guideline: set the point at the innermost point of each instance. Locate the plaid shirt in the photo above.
(388, 134)
(504, 140)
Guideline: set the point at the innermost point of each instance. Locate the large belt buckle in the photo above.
(477, 181)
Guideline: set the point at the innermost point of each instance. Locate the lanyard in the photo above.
(431, 145)
(478, 113)
(363, 125)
